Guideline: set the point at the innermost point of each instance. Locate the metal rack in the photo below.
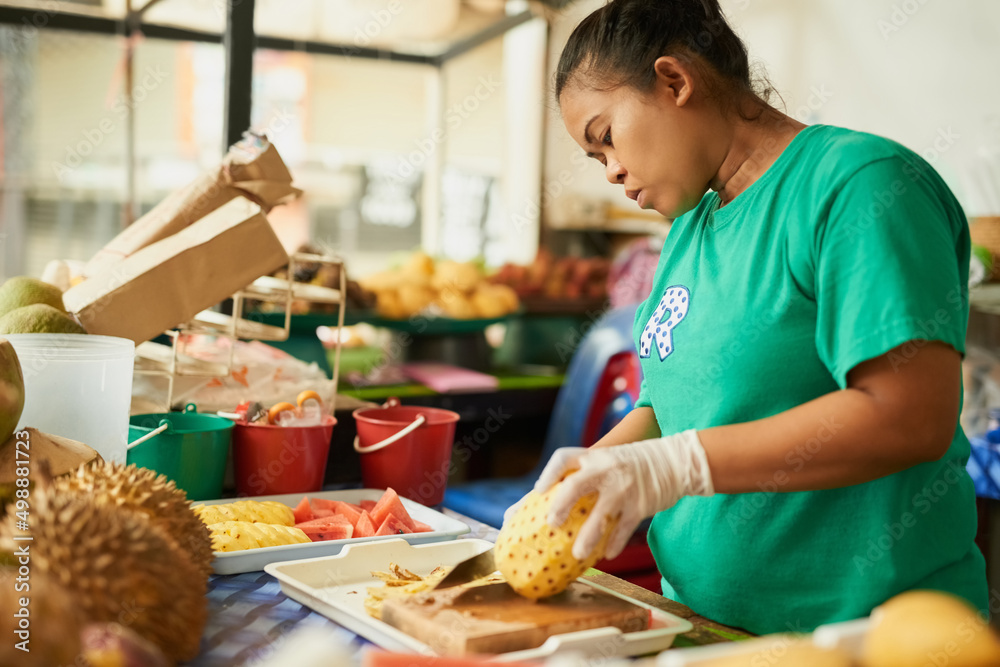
(170, 361)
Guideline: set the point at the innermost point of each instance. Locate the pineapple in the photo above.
(254, 511)
(239, 535)
(535, 558)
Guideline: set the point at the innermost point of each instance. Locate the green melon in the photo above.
(39, 318)
(21, 291)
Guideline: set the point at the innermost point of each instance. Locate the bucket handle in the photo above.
(402, 433)
(164, 425)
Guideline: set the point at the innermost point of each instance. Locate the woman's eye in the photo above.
(607, 138)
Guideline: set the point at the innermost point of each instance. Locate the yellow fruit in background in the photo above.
(419, 263)
(456, 305)
(506, 295)
(21, 291)
(917, 628)
(535, 558)
(387, 305)
(414, 298)
(488, 303)
(39, 318)
(456, 276)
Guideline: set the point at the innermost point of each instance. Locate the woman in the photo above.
(797, 437)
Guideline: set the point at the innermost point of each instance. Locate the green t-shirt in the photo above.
(846, 247)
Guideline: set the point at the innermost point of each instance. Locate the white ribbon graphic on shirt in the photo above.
(673, 307)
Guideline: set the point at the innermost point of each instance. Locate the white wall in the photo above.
(923, 72)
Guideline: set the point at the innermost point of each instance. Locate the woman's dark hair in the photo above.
(619, 43)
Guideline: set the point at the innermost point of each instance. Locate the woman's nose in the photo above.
(615, 172)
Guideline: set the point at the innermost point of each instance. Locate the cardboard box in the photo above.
(167, 283)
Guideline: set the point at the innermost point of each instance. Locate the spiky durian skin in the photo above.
(113, 564)
(54, 625)
(152, 494)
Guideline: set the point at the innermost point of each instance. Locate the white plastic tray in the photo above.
(336, 586)
(250, 560)
(847, 636)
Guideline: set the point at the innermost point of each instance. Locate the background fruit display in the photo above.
(563, 278)
(458, 290)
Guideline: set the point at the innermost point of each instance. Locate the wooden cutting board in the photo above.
(495, 619)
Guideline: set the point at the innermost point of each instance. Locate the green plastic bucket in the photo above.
(192, 451)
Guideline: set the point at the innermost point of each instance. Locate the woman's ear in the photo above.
(674, 79)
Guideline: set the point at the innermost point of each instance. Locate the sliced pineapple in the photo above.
(240, 535)
(254, 511)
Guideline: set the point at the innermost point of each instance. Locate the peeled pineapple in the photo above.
(240, 535)
(252, 511)
(535, 558)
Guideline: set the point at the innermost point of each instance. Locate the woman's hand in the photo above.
(633, 481)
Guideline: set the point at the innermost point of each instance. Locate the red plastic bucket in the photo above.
(406, 448)
(271, 459)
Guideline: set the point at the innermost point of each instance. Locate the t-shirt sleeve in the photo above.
(643, 400)
(891, 266)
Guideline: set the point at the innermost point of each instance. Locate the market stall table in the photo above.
(248, 615)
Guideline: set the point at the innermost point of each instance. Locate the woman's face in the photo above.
(658, 145)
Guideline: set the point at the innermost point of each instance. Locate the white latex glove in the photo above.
(633, 481)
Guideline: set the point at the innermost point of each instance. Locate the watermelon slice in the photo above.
(388, 504)
(322, 512)
(350, 512)
(333, 528)
(365, 527)
(303, 511)
(367, 505)
(421, 527)
(335, 505)
(392, 526)
(322, 521)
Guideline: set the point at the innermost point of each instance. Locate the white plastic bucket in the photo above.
(78, 386)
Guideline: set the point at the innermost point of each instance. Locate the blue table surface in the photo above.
(248, 615)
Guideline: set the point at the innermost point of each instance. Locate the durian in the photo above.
(155, 496)
(113, 565)
(53, 624)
